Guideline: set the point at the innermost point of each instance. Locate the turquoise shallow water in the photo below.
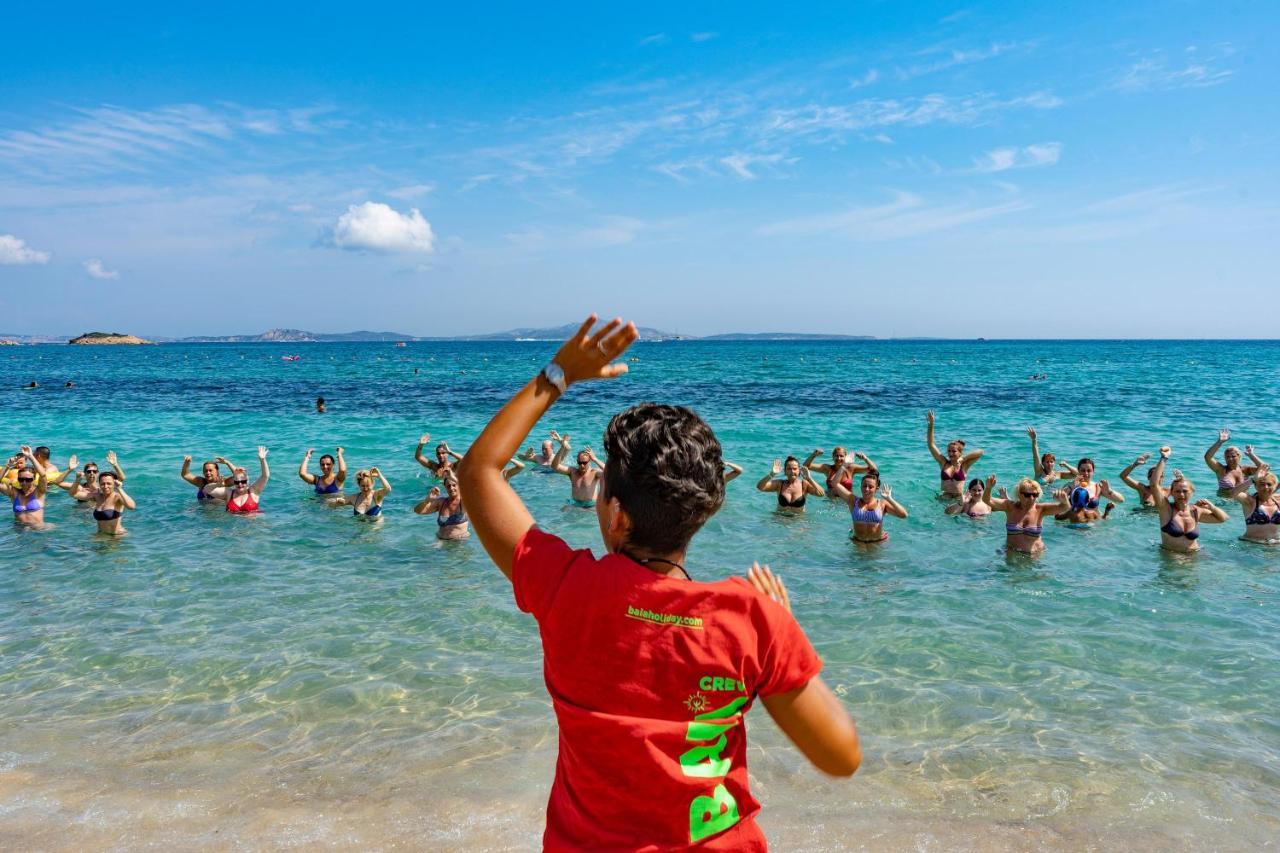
(301, 678)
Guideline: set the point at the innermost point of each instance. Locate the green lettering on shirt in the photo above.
(709, 815)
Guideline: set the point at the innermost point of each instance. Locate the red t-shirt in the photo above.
(651, 677)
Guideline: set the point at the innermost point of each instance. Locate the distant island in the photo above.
(107, 339)
(301, 336)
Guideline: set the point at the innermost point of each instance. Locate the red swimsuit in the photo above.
(250, 504)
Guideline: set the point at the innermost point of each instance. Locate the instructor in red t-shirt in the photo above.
(651, 672)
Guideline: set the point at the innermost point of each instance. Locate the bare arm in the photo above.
(498, 516)
(808, 463)
(429, 464)
(188, 476)
(933, 447)
(381, 494)
(1157, 490)
(1214, 465)
(769, 483)
(114, 462)
(128, 502)
(261, 483)
(1126, 476)
(342, 467)
(514, 468)
(810, 485)
(890, 505)
(989, 496)
(306, 475)
(1035, 452)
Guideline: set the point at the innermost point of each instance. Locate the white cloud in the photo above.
(380, 228)
(1000, 159)
(656, 38)
(958, 57)
(702, 36)
(1157, 72)
(413, 191)
(906, 216)
(865, 80)
(15, 251)
(740, 164)
(94, 268)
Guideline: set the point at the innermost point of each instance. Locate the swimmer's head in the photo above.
(326, 462)
(1047, 461)
(955, 450)
(442, 454)
(791, 467)
(870, 482)
(240, 480)
(975, 488)
(107, 482)
(90, 471)
(210, 470)
(584, 459)
(1265, 484)
(1231, 454)
(451, 485)
(1085, 467)
(1027, 491)
(42, 453)
(546, 447)
(364, 481)
(1181, 490)
(838, 454)
(663, 478)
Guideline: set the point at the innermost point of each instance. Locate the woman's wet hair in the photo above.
(1269, 477)
(1084, 461)
(788, 461)
(664, 466)
(975, 482)
(871, 475)
(1026, 484)
(329, 457)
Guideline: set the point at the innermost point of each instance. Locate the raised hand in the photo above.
(818, 451)
(1224, 435)
(1031, 431)
(1141, 460)
(426, 436)
(434, 493)
(886, 492)
(74, 462)
(338, 450)
(586, 356)
(310, 450)
(1205, 504)
(1166, 452)
(929, 418)
(769, 584)
(1177, 474)
(111, 458)
(262, 452)
(991, 484)
(1248, 448)
(777, 467)
(187, 459)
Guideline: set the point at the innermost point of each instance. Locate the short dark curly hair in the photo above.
(665, 467)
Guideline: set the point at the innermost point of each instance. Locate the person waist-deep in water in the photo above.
(650, 672)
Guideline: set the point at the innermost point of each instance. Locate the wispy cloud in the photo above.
(377, 227)
(96, 269)
(656, 38)
(15, 251)
(952, 57)
(1002, 159)
(701, 37)
(865, 80)
(740, 164)
(412, 192)
(907, 215)
(1157, 71)
(610, 232)
(115, 139)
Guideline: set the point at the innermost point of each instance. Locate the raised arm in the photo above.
(769, 482)
(381, 494)
(891, 506)
(933, 446)
(1253, 457)
(1035, 452)
(966, 462)
(1153, 483)
(808, 463)
(1126, 476)
(341, 476)
(6, 489)
(261, 483)
(1061, 503)
(429, 464)
(511, 470)
(866, 466)
(187, 475)
(498, 516)
(60, 481)
(1105, 490)
(431, 503)
(733, 472)
(1214, 465)
(457, 457)
(811, 485)
(1240, 492)
(128, 502)
(306, 475)
(557, 461)
(115, 466)
(989, 496)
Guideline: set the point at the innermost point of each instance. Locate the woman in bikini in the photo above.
(27, 491)
(793, 487)
(445, 458)
(1231, 474)
(211, 486)
(1180, 519)
(1042, 464)
(1084, 495)
(840, 462)
(868, 510)
(954, 467)
(111, 503)
(451, 518)
(1024, 514)
(328, 481)
(972, 505)
(367, 501)
(1262, 509)
(243, 498)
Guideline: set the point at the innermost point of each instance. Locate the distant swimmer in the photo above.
(367, 501)
(731, 471)
(584, 476)
(1180, 520)
(545, 456)
(793, 487)
(1148, 497)
(1262, 509)
(328, 481)
(869, 508)
(244, 497)
(1084, 495)
(28, 493)
(31, 385)
(445, 458)
(1231, 474)
(319, 405)
(1024, 514)
(974, 504)
(838, 459)
(1043, 463)
(84, 487)
(954, 467)
(69, 384)
(211, 485)
(110, 506)
(451, 518)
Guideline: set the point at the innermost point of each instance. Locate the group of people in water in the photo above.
(1053, 490)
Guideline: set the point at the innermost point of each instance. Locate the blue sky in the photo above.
(948, 169)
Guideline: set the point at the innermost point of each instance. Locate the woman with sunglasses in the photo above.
(84, 487)
(28, 492)
(451, 518)
(1262, 522)
(211, 486)
(328, 481)
(869, 509)
(242, 497)
(108, 509)
(954, 466)
(366, 502)
(1024, 514)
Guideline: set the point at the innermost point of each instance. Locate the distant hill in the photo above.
(555, 333)
(297, 336)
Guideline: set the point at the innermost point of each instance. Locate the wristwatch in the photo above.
(555, 375)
